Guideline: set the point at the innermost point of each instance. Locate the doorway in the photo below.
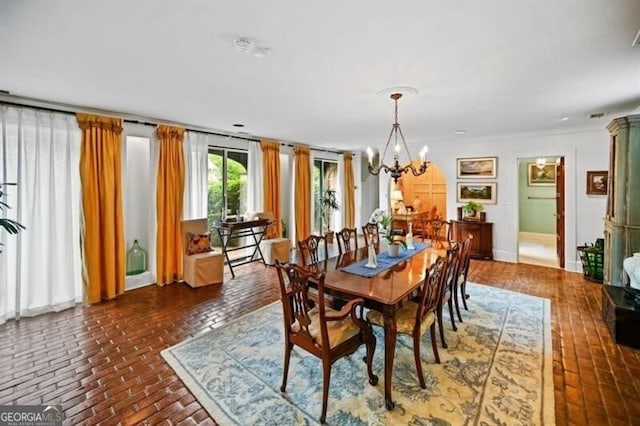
(541, 211)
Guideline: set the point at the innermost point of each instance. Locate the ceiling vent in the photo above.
(597, 115)
(636, 41)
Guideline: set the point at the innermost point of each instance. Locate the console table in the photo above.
(482, 243)
(621, 316)
(229, 231)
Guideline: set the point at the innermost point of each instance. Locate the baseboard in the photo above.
(505, 256)
(131, 282)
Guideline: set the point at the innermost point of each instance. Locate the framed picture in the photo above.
(477, 168)
(541, 176)
(597, 182)
(484, 192)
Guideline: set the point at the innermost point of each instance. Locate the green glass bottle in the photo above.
(136, 259)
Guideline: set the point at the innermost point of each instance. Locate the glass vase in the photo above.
(136, 259)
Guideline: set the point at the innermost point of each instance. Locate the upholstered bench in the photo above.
(203, 268)
(275, 249)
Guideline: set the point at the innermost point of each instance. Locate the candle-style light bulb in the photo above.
(422, 155)
(370, 154)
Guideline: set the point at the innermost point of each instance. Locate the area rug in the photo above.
(496, 371)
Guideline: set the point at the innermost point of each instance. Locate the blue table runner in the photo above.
(384, 261)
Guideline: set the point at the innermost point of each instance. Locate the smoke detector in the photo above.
(248, 47)
(243, 45)
(597, 114)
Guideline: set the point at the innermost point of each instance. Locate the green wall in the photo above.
(536, 215)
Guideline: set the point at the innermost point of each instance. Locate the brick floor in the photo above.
(102, 362)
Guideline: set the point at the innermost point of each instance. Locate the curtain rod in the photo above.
(8, 99)
(69, 109)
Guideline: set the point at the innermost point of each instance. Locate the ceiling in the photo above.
(492, 67)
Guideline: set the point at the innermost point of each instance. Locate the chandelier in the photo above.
(395, 170)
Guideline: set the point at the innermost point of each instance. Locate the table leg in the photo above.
(390, 334)
(224, 237)
(257, 249)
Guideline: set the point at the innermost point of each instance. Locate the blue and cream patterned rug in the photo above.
(496, 371)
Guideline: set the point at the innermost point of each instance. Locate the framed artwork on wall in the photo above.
(597, 182)
(541, 176)
(484, 193)
(477, 168)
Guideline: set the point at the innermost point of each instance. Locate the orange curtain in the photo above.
(349, 192)
(103, 232)
(169, 194)
(271, 175)
(302, 196)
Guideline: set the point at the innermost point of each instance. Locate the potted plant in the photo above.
(329, 202)
(9, 225)
(472, 210)
(393, 243)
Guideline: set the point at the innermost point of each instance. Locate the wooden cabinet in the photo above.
(482, 245)
(622, 222)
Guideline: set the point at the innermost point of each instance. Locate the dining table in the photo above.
(386, 292)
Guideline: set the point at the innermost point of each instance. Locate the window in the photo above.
(227, 185)
(325, 176)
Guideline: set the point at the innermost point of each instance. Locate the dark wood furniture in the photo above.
(387, 292)
(371, 234)
(463, 272)
(310, 249)
(446, 293)
(306, 326)
(345, 237)
(437, 230)
(230, 231)
(482, 246)
(417, 315)
(621, 316)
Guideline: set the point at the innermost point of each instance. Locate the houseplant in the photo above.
(9, 225)
(393, 243)
(472, 210)
(329, 203)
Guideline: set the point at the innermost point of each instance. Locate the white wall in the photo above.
(139, 156)
(583, 150)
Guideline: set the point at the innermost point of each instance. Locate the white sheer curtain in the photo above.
(255, 180)
(40, 268)
(196, 154)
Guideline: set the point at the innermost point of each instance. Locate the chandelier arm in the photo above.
(414, 171)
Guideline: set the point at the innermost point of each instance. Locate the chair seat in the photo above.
(405, 319)
(338, 331)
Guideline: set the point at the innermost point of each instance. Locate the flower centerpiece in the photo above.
(384, 220)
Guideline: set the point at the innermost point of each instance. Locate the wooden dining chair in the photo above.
(418, 315)
(453, 260)
(463, 271)
(344, 240)
(371, 233)
(437, 230)
(456, 280)
(310, 249)
(320, 330)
